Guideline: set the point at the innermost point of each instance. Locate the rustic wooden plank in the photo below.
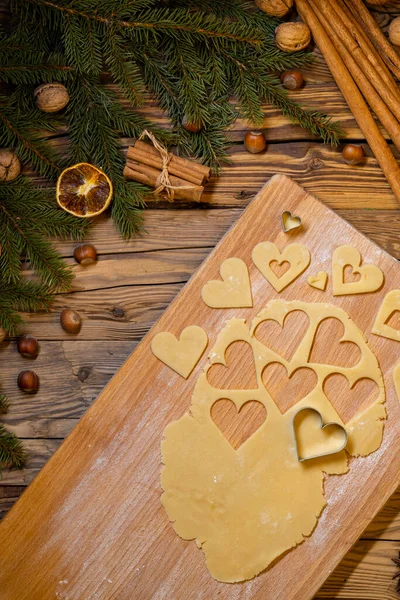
(190, 228)
(318, 168)
(8, 496)
(39, 451)
(120, 405)
(141, 268)
(364, 574)
(120, 313)
(72, 374)
(173, 228)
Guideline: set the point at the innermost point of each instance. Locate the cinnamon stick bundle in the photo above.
(182, 167)
(351, 92)
(183, 190)
(372, 29)
(172, 176)
(333, 13)
(384, 115)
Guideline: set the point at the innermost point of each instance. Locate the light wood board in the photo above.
(91, 524)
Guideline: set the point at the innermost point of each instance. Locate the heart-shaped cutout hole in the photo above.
(286, 339)
(240, 372)
(287, 391)
(393, 320)
(348, 402)
(279, 268)
(328, 349)
(238, 426)
(350, 275)
(314, 438)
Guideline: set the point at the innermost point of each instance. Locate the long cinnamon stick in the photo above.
(353, 98)
(391, 99)
(371, 27)
(367, 46)
(176, 160)
(148, 176)
(384, 115)
(156, 161)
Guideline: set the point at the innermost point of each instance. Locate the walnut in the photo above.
(275, 8)
(292, 37)
(10, 167)
(394, 31)
(51, 97)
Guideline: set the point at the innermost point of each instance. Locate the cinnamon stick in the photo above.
(377, 37)
(390, 98)
(353, 98)
(148, 175)
(177, 161)
(367, 46)
(155, 161)
(384, 115)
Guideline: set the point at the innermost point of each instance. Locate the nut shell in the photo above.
(70, 321)
(192, 126)
(51, 97)
(292, 37)
(394, 31)
(28, 346)
(10, 167)
(353, 154)
(86, 254)
(275, 8)
(28, 382)
(292, 80)
(254, 141)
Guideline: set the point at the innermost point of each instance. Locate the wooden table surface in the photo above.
(133, 282)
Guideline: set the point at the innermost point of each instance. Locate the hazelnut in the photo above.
(28, 346)
(292, 37)
(275, 8)
(192, 126)
(254, 141)
(353, 154)
(394, 31)
(70, 321)
(51, 97)
(292, 80)
(10, 167)
(28, 382)
(85, 254)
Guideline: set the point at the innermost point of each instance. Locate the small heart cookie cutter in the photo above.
(322, 426)
(296, 222)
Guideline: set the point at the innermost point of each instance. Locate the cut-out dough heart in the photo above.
(297, 255)
(319, 280)
(390, 304)
(234, 291)
(371, 276)
(290, 221)
(180, 355)
(237, 426)
(313, 439)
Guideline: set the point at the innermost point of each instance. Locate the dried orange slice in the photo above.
(84, 190)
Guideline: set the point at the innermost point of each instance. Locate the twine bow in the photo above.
(163, 182)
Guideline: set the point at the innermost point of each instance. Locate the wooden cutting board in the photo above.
(91, 525)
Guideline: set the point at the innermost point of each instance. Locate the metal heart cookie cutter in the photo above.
(289, 221)
(321, 426)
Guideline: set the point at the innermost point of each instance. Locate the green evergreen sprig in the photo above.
(12, 452)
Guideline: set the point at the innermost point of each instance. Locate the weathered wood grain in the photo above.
(364, 574)
(66, 467)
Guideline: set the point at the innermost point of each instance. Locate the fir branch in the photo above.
(12, 452)
(179, 20)
(4, 404)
